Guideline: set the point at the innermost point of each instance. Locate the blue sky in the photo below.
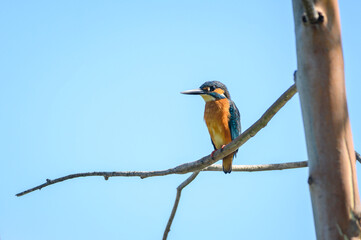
(94, 86)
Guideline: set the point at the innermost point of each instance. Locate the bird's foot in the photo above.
(216, 150)
(213, 153)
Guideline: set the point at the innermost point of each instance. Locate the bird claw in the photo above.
(212, 154)
(222, 147)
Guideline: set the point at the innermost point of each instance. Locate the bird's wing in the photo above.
(234, 120)
(213, 144)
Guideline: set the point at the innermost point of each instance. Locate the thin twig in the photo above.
(235, 168)
(106, 175)
(257, 168)
(358, 157)
(176, 202)
(190, 166)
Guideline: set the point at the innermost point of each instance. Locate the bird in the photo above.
(221, 116)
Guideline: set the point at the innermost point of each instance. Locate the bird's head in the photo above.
(210, 91)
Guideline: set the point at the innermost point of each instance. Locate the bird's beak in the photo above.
(197, 91)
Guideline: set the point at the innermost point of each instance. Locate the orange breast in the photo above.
(216, 115)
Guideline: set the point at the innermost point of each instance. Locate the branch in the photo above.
(235, 168)
(176, 202)
(358, 157)
(258, 168)
(190, 166)
(215, 167)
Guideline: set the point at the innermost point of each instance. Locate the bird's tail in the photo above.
(227, 163)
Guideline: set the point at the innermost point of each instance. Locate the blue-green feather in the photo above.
(234, 122)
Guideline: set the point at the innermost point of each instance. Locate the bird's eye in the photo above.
(211, 88)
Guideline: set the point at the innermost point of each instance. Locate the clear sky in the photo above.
(94, 86)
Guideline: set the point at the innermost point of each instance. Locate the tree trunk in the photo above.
(321, 86)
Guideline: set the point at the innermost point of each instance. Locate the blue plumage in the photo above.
(234, 120)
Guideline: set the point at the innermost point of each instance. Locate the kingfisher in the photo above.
(221, 116)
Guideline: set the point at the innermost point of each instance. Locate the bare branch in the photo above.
(215, 167)
(257, 168)
(176, 202)
(190, 166)
(235, 168)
